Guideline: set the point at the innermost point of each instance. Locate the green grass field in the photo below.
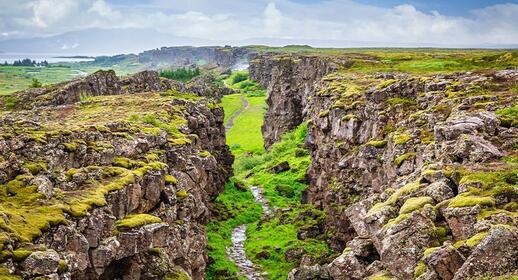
(245, 136)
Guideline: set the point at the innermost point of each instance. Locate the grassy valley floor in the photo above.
(268, 238)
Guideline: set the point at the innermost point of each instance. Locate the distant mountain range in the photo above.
(133, 40)
(98, 41)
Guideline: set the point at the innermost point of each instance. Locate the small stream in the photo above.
(237, 252)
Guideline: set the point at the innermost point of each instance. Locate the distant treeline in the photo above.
(27, 62)
(180, 74)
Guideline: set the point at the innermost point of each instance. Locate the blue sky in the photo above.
(412, 22)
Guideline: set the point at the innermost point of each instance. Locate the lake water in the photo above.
(50, 58)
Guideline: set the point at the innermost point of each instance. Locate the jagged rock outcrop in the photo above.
(423, 167)
(117, 186)
(102, 82)
(204, 85)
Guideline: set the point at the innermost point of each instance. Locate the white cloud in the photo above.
(272, 19)
(47, 12)
(101, 8)
(231, 21)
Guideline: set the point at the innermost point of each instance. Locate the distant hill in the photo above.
(98, 41)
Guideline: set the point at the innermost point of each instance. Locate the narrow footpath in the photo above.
(230, 121)
(237, 252)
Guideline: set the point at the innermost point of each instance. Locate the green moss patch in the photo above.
(472, 241)
(401, 101)
(36, 167)
(407, 189)
(377, 143)
(401, 138)
(469, 200)
(170, 179)
(386, 83)
(133, 221)
(399, 160)
(415, 203)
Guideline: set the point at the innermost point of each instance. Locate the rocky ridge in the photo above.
(223, 57)
(105, 178)
(417, 173)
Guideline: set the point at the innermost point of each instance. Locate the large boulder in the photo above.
(41, 263)
(347, 267)
(403, 244)
(444, 262)
(315, 272)
(496, 254)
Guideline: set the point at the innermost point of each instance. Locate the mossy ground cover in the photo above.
(283, 191)
(30, 212)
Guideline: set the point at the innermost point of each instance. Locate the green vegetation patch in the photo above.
(283, 190)
(133, 221)
(241, 82)
(231, 104)
(402, 158)
(233, 207)
(378, 143)
(402, 101)
(472, 241)
(405, 190)
(401, 138)
(245, 136)
(180, 74)
(415, 203)
(509, 116)
(28, 213)
(486, 185)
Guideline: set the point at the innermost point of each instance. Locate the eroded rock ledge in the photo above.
(417, 173)
(105, 178)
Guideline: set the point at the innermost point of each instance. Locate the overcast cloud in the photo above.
(233, 20)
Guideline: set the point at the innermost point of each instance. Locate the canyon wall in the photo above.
(289, 80)
(109, 179)
(224, 57)
(415, 172)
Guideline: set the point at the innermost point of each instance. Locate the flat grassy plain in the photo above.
(15, 78)
(245, 136)
(411, 60)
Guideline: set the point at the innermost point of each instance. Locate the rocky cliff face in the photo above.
(109, 180)
(417, 173)
(224, 57)
(289, 80)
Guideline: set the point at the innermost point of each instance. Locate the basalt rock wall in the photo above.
(113, 187)
(289, 80)
(415, 172)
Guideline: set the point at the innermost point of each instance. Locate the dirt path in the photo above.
(237, 252)
(230, 121)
